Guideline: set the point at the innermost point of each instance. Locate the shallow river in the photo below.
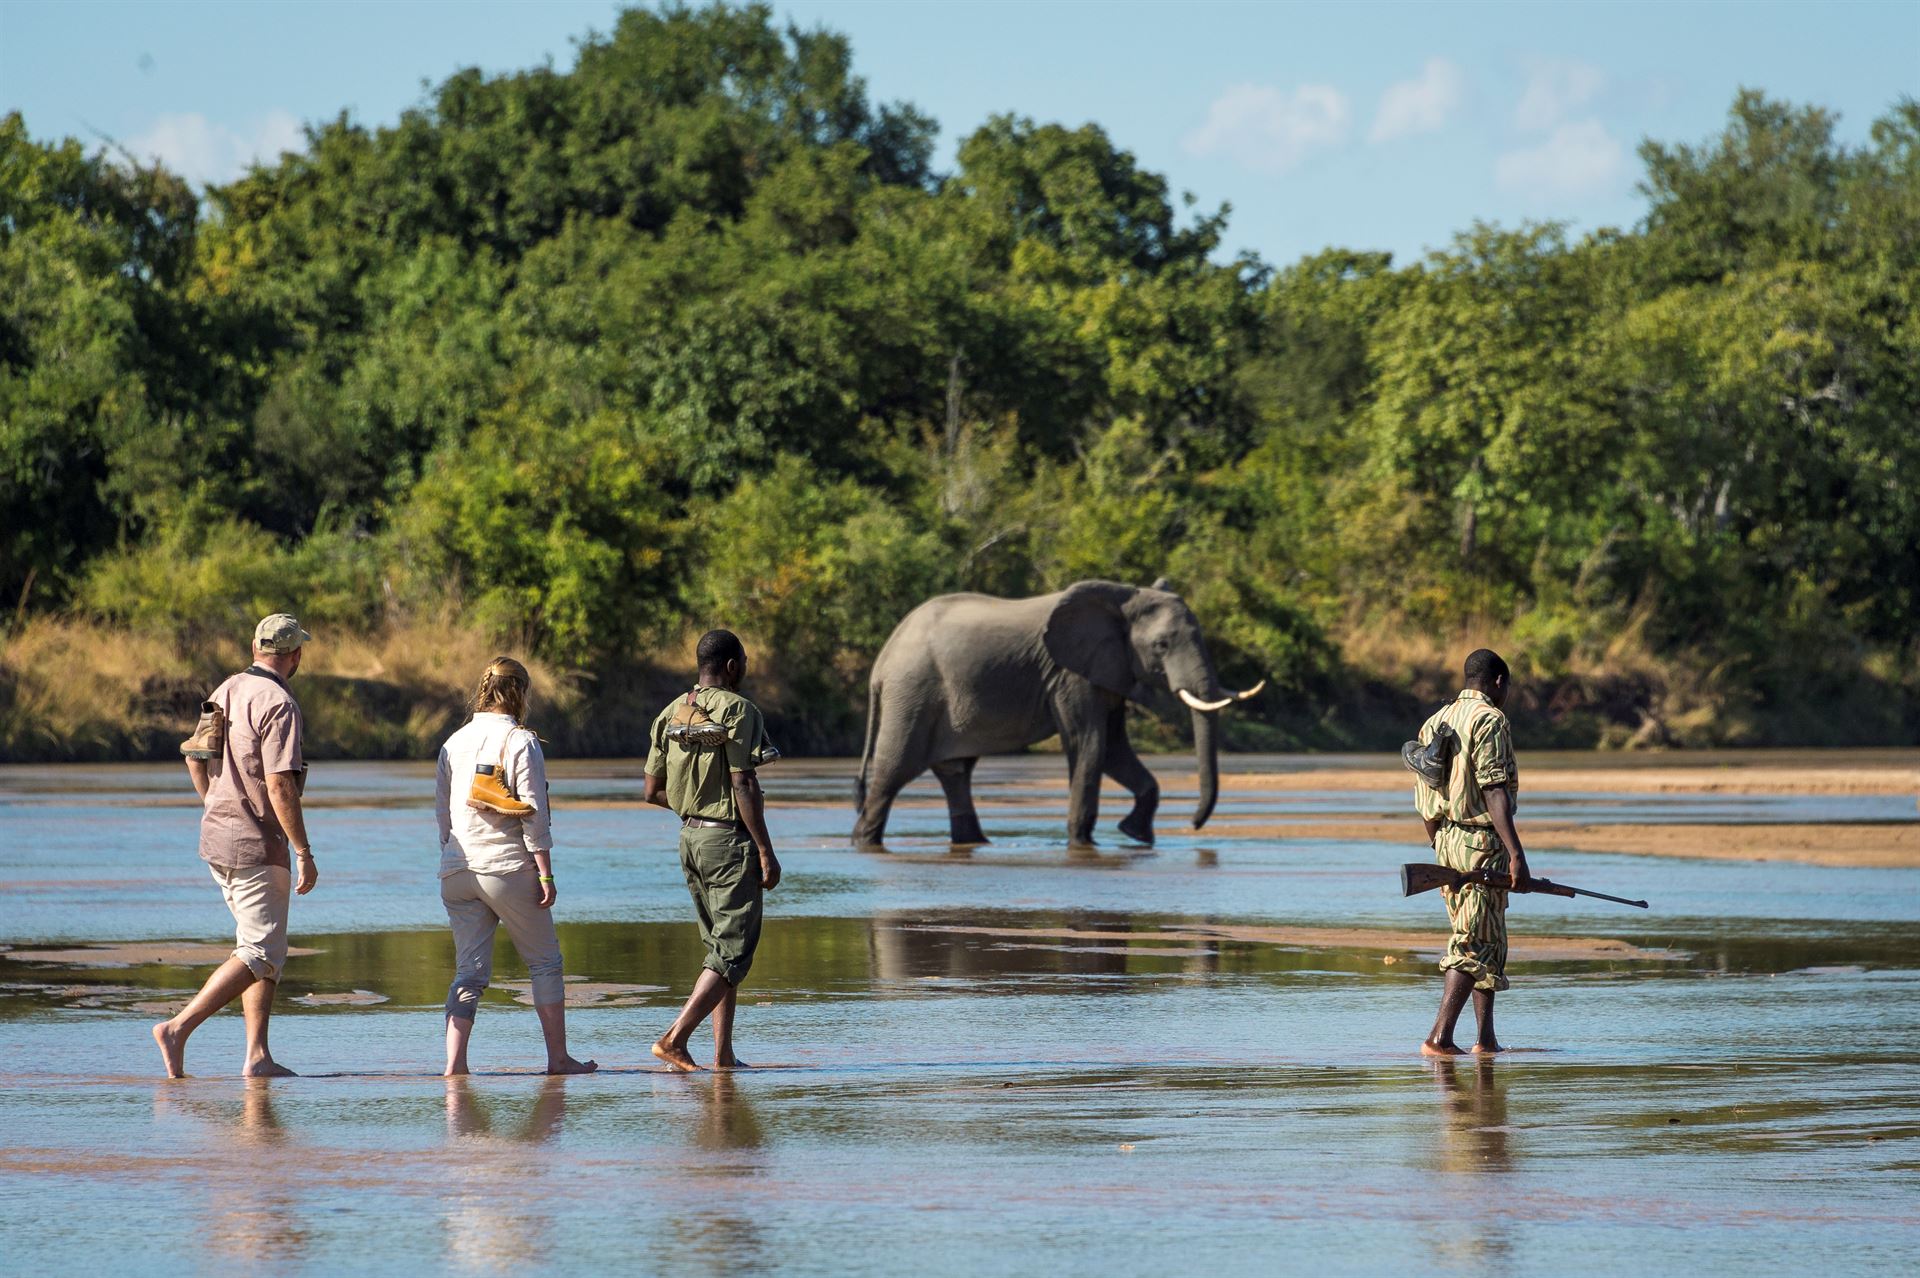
(1010, 1060)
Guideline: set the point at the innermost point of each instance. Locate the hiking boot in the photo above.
(490, 794)
(1433, 761)
(209, 735)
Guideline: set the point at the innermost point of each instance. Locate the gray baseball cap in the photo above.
(279, 633)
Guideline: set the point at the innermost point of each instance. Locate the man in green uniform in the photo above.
(705, 748)
(1470, 825)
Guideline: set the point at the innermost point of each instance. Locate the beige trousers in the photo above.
(257, 898)
(476, 905)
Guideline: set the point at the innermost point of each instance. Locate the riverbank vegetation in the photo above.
(575, 364)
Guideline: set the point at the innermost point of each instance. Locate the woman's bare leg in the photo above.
(553, 1026)
(459, 1032)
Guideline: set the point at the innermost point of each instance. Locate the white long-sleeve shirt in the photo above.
(488, 842)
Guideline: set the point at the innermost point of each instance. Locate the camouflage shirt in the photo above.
(1484, 761)
(698, 785)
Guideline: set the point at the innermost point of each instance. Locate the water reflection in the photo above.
(251, 1213)
(495, 1217)
(727, 1120)
(470, 1114)
(1472, 1140)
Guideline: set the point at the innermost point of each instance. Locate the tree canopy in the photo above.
(694, 334)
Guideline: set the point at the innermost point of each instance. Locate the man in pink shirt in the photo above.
(250, 780)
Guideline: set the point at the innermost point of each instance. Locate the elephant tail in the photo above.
(866, 751)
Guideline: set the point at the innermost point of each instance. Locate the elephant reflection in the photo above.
(967, 675)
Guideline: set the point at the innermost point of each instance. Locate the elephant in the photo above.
(965, 675)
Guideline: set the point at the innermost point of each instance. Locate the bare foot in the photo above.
(267, 1067)
(729, 1061)
(1448, 1048)
(1487, 1049)
(173, 1049)
(455, 1069)
(568, 1065)
(675, 1057)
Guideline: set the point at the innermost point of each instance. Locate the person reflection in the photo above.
(726, 1119)
(470, 1114)
(722, 1238)
(1474, 1128)
(253, 1219)
(493, 1220)
(1473, 1136)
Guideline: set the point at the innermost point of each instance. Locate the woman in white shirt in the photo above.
(496, 848)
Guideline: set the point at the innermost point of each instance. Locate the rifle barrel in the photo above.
(1617, 900)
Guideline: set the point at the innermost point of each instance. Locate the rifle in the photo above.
(1420, 877)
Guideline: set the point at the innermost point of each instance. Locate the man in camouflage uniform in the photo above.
(1471, 828)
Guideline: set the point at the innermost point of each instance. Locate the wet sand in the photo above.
(1888, 845)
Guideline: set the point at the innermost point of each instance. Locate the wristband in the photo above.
(305, 854)
(546, 878)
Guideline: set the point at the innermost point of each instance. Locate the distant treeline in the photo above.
(697, 334)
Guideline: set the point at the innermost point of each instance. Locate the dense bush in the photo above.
(692, 334)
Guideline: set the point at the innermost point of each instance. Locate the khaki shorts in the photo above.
(257, 897)
(723, 875)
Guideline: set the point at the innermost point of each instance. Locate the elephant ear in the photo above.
(1087, 634)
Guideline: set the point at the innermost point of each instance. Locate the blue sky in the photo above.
(1367, 125)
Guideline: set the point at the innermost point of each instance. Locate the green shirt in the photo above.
(1485, 760)
(697, 782)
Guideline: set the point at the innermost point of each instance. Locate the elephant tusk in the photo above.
(1250, 692)
(1205, 707)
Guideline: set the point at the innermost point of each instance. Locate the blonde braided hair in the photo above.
(503, 689)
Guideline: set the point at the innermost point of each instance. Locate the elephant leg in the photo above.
(883, 786)
(956, 778)
(1124, 766)
(1083, 788)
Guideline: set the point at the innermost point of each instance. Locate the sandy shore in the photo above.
(1538, 949)
(1891, 845)
(140, 954)
(1729, 779)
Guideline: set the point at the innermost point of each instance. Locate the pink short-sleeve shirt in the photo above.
(238, 829)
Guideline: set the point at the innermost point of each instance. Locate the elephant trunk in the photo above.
(1206, 750)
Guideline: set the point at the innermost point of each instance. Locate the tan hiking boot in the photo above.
(490, 794)
(209, 735)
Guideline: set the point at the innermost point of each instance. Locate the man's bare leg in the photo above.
(1453, 997)
(1484, 1043)
(707, 993)
(553, 1027)
(723, 1057)
(226, 984)
(459, 1032)
(257, 1003)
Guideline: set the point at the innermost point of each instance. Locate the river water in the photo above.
(1004, 1060)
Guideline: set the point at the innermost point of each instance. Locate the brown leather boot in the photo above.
(490, 794)
(209, 735)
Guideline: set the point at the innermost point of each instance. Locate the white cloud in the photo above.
(1556, 88)
(1419, 105)
(1265, 128)
(201, 151)
(1578, 159)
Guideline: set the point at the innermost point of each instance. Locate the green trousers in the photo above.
(1477, 914)
(723, 875)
